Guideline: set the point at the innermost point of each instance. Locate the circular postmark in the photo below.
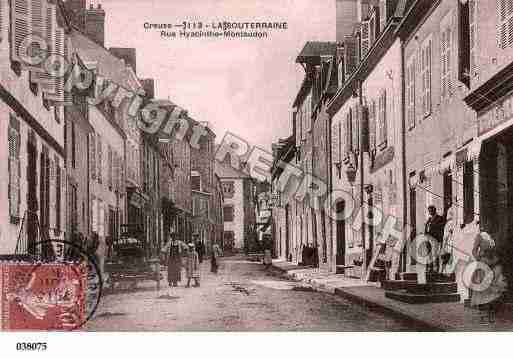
(56, 293)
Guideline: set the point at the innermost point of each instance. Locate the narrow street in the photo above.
(243, 296)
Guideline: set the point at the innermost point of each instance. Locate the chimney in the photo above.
(94, 24)
(129, 55)
(347, 17)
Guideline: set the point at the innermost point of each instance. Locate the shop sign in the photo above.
(498, 114)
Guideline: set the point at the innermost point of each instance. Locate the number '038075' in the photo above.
(28, 346)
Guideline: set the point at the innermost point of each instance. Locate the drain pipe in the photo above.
(404, 255)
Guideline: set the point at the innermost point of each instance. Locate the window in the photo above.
(92, 155)
(196, 182)
(365, 43)
(446, 53)
(58, 180)
(14, 169)
(425, 71)
(355, 116)
(228, 213)
(382, 119)
(228, 189)
(410, 92)
(349, 136)
(505, 25)
(109, 164)
(73, 146)
(473, 36)
(100, 159)
(468, 192)
(372, 126)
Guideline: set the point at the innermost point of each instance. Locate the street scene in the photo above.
(243, 296)
(294, 165)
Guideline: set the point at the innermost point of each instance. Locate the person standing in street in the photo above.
(267, 258)
(200, 248)
(435, 228)
(216, 252)
(192, 268)
(174, 262)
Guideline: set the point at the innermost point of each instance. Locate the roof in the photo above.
(314, 49)
(108, 65)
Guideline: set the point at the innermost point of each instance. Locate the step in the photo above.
(430, 277)
(405, 297)
(413, 287)
(432, 288)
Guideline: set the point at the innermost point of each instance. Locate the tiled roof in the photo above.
(314, 49)
(108, 65)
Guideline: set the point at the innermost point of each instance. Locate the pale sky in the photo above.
(245, 86)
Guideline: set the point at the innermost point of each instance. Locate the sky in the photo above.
(244, 86)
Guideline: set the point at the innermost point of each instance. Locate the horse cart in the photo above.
(129, 262)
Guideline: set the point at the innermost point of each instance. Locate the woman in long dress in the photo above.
(192, 266)
(216, 252)
(174, 262)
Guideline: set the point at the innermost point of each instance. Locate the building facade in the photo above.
(33, 173)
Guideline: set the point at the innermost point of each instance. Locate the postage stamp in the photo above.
(56, 295)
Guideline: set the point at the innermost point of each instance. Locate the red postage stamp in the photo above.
(42, 296)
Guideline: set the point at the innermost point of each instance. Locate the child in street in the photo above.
(192, 267)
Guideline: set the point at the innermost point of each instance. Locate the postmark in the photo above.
(56, 295)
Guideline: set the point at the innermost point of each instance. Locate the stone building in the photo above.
(366, 135)
(487, 66)
(33, 193)
(203, 183)
(238, 208)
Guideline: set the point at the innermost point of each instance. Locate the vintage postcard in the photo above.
(255, 166)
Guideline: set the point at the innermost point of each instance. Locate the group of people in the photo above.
(190, 256)
(488, 283)
(310, 255)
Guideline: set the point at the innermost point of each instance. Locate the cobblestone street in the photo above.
(242, 296)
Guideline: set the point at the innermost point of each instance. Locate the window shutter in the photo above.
(443, 59)
(382, 15)
(92, 155)
(20, 22)
(410, 93)
(335, 143)
(2, 20)
(365, 37)
(372, 126)
(356, 128)
(58, 96)
(349, 136)
(42, 78)
(59, 183)
(473, 37)
(448, 59)
(14, 169)
(428, 76)
(109, 164)
(100, 159)
(384, 128)
(51, 190)
(350, 55)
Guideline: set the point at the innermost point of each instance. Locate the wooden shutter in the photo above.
(349, 136)
(58, 96)
(356, 127)
(58, 184)
(51, 190)
(335, 143)
(382, 118)
(109, 169)
(20, 22)
(45, 81)
(410, 93)
(2, 19)
(473, 37)
(350, 55)
(365, 37)
(99, 158)
(14, 167)
(372, 126)
(92, 155)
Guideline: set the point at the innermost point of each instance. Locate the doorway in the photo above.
(340, 233)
